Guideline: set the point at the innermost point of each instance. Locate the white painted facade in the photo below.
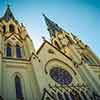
(33, 68)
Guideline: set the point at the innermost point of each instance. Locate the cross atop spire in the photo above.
(52, 27)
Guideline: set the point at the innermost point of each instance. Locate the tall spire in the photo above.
(8, 15)
(52, 27)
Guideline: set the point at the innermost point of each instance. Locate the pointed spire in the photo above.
(8, 14)
(52, 27)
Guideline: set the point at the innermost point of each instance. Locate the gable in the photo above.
(47, 44)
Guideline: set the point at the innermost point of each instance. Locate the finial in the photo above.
(45, 17)
(43, 14)
(8, 5)
(43, 38)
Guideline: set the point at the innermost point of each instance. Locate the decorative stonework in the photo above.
(65, 93)
(61, 76)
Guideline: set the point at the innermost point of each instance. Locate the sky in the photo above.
(80, 17)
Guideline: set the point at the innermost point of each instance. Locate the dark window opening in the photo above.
(11, 28)
(57, 45)
(60, 96)
(8, 50)
(4, 29)
(72, 96)
(18, 51)
(18, 87)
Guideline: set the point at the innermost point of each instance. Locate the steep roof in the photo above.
(52, 26)
(8, 15)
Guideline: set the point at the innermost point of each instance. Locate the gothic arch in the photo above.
(18, 51)
(4, 28)
(11, 28)
(61, 62)
(22, 82)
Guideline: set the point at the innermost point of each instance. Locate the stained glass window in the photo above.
(61, 76)
(18, 87)
(8, 50)
(18, 51)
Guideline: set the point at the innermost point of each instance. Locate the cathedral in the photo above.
(63, 69)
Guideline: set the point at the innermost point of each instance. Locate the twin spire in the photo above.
(52, 27)
(8, 15)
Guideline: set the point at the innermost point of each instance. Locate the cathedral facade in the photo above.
(63, 69)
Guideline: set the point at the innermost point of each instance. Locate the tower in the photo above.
(63, 69)
(83, 62)
(16, 71)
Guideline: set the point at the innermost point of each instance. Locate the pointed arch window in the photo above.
(11, 28)
(57, 45)
(4, 29)
(8, 50)
(18, 51)
(19, 94)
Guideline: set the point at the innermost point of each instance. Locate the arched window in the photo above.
(57, 45)
(18, 87)
(8, 50)
(11, 28)
(18, 51)
(4, 28)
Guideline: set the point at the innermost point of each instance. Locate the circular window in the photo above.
(61, 76)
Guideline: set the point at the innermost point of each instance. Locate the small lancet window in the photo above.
(4, 29)
(11, 28)
(8, 50)
(19, 95)
(57, 45)
(18, 51)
